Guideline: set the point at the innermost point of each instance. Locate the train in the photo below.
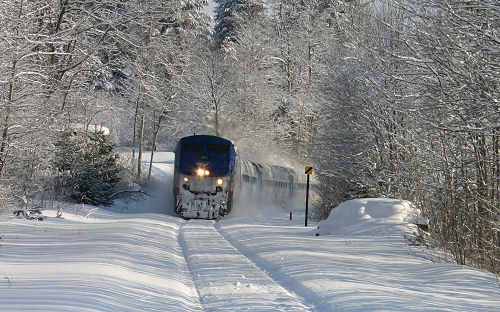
(209, 175)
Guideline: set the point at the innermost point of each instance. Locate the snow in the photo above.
(90, 128)
(369, 216)
(137, 256)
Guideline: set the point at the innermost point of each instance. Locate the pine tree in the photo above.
(87, 165)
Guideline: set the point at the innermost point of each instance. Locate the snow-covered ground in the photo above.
(137, 256)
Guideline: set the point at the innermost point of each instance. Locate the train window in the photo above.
(218, 148)
(192, 148)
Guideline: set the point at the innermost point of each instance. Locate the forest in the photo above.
(384, 98)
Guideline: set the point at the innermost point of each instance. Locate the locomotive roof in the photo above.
(204, 139)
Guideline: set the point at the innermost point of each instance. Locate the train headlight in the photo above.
(186, 179)
(220, 182)
(202, 172)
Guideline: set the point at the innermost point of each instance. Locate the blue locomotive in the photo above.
(208, 173)
(204, 176)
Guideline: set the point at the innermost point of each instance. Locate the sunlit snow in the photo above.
(137, 256)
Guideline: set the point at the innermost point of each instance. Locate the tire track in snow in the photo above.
(291, 286)
(226, 279)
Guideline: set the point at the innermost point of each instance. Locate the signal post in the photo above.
(308, 172)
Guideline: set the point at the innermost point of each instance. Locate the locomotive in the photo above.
(208, 174)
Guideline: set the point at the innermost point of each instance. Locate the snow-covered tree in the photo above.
(232, 15)
(302, 29)
(87, 166)
(43, 58)
(164, 34)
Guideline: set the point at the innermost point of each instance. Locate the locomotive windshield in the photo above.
(218, 148)
(211, 153)
(192, 148)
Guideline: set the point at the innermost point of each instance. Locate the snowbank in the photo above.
(368, 216)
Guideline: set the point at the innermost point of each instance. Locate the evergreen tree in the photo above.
(87, 166)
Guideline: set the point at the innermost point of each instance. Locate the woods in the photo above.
(385, 98)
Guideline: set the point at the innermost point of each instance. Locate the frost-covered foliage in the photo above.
(232, 15)
(383, 98)
(77, 62)
(87, 166)
(411, 111)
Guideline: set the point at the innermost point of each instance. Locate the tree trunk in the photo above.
(496, 151)
(153, 148)
(141, 139)
(134, 140)
(5, 132)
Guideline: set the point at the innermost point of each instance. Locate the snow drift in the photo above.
(369, 216)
